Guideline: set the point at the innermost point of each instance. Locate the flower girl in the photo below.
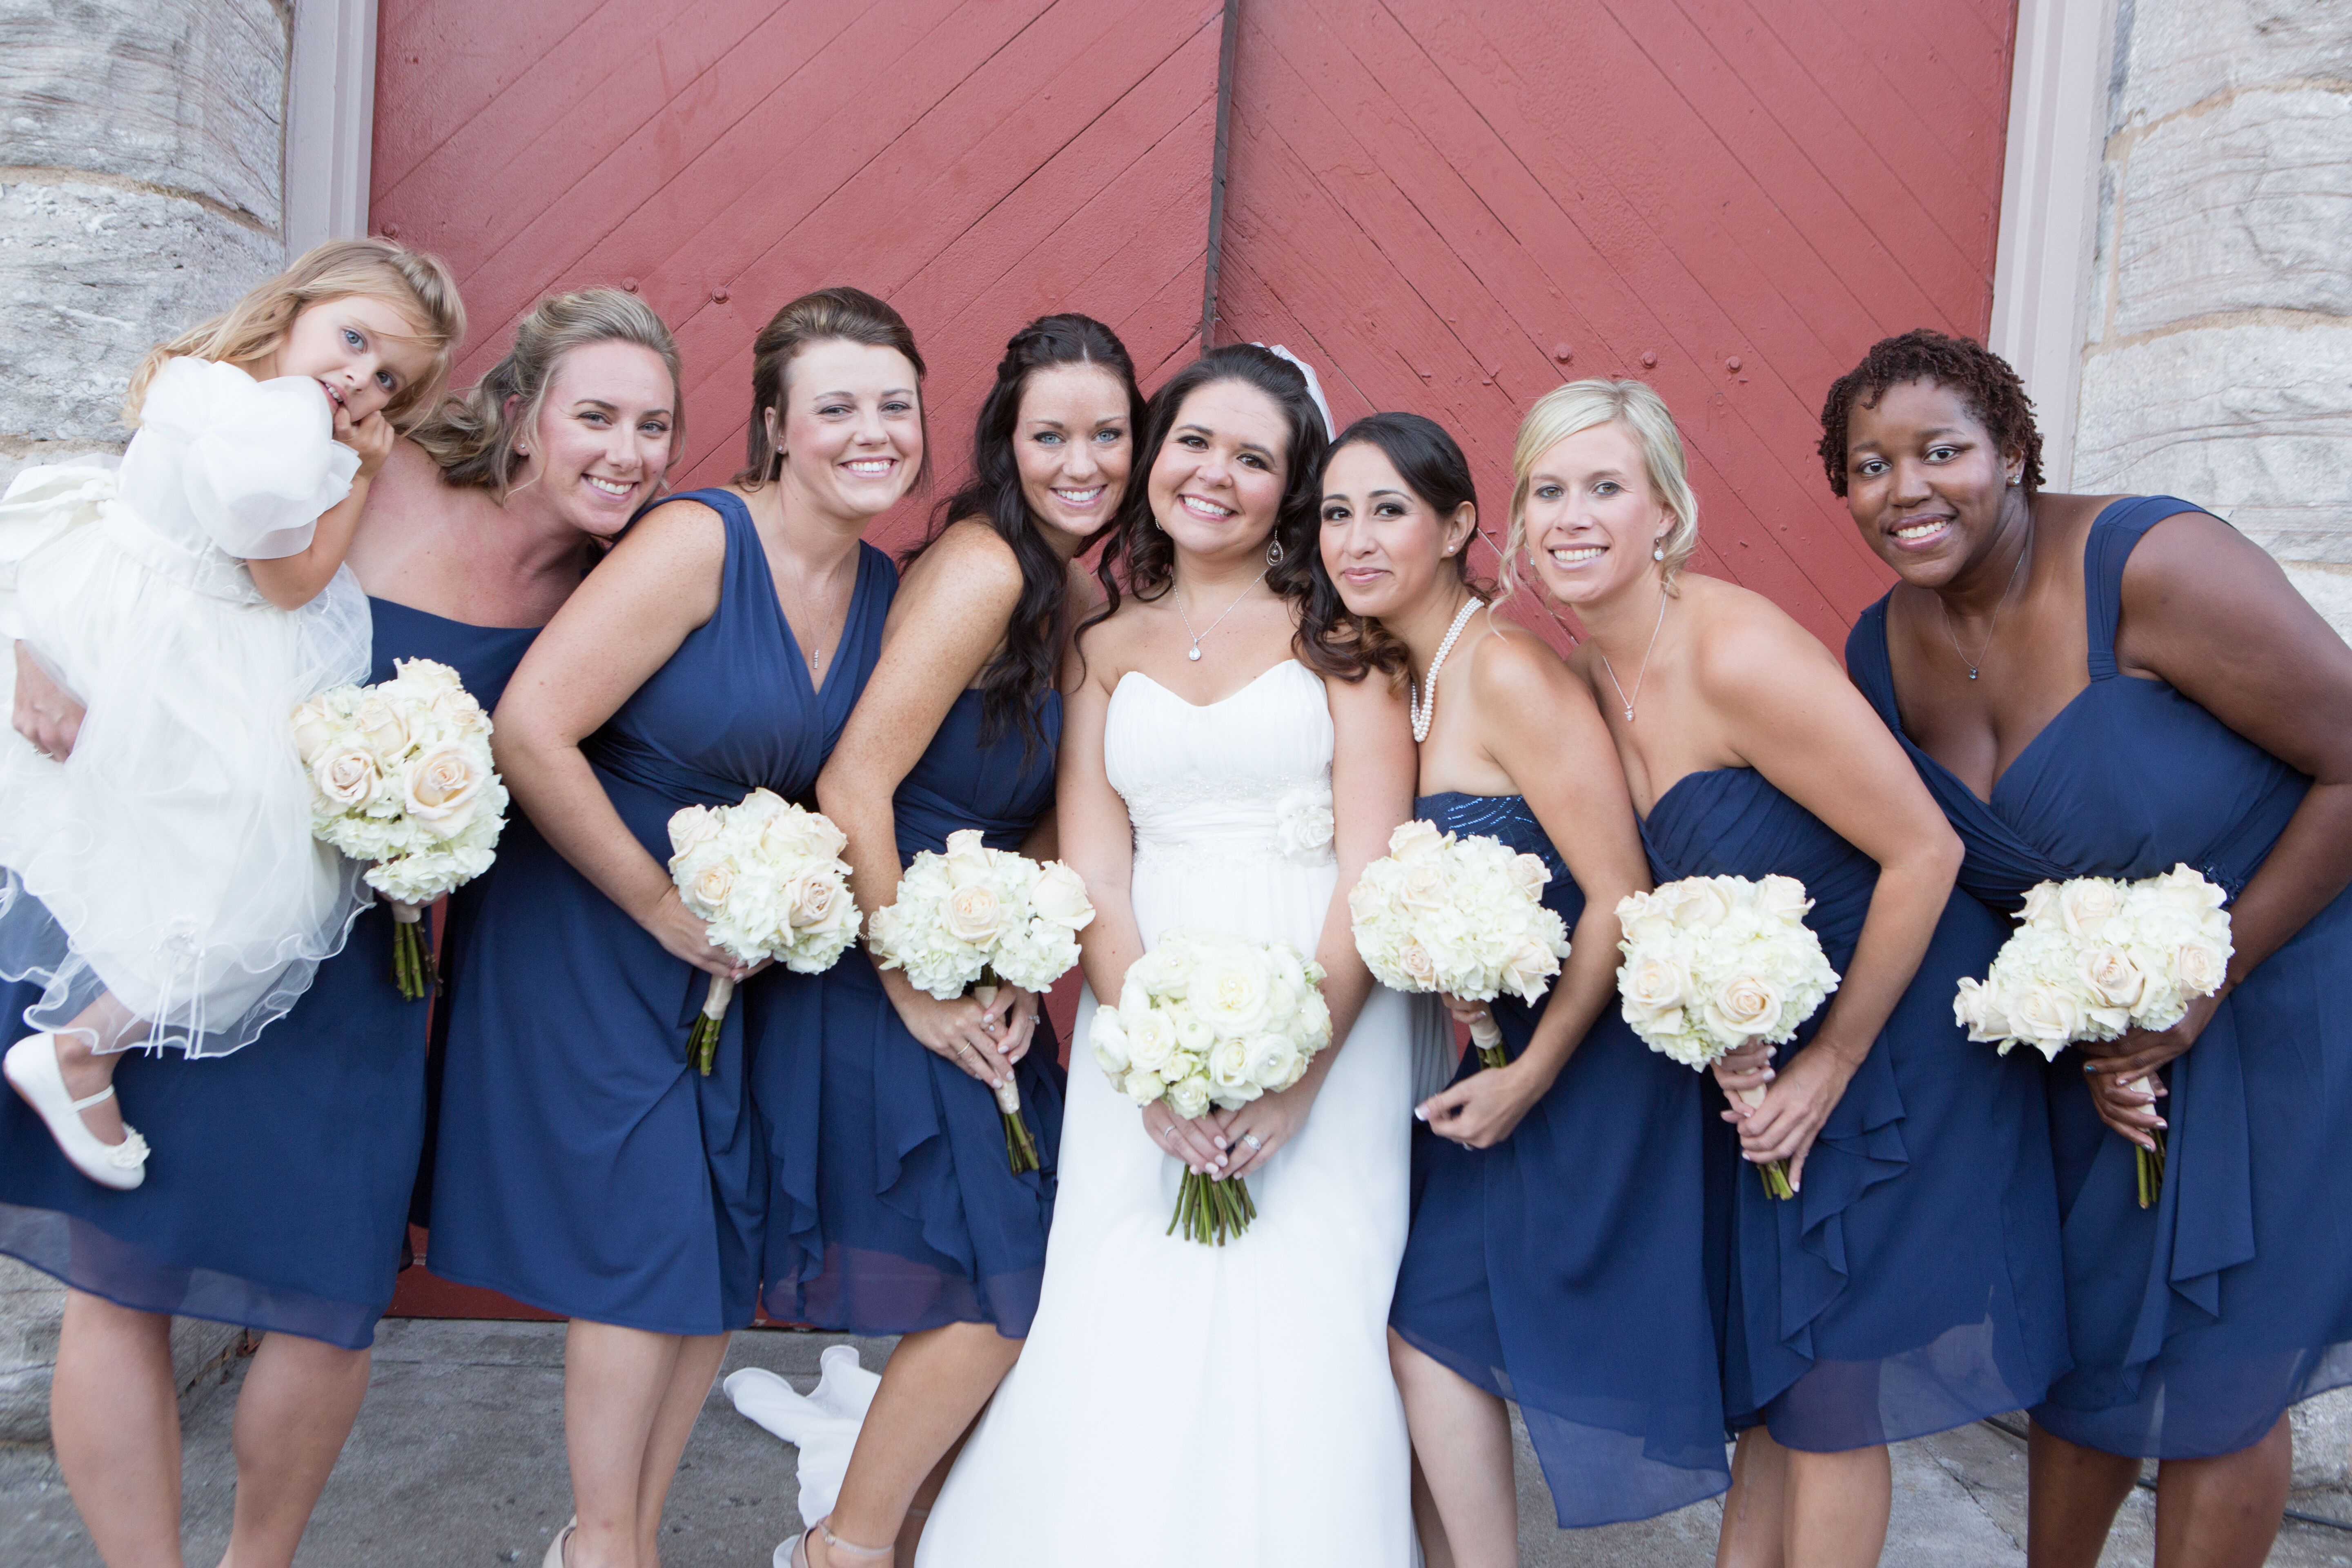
(159, 879)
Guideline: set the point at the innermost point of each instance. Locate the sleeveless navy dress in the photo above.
(903, 1213)
(2197, 1323)
(278, 1194)
(583, 1165)
(1913, 1286)
(1564, 1267)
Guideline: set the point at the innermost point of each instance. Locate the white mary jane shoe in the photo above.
(31, 1068)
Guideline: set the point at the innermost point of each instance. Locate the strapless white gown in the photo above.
(1179, 1405)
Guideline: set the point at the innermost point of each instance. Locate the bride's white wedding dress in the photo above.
(1178, 1403)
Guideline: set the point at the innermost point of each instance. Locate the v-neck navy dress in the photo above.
(1913, 1285)
(278, 1194)
(895, 1208)
(583, 1165)
(2197, 1323)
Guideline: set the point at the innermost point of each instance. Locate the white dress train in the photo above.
(1177, 1404)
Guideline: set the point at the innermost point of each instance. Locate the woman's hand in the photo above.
(1254, 1132)
(2142, 1051)
(1465, 1012)
(684, 935)
(2129, 1105)
(371, 437)
(961, 1030)
(1748, 1067)
(1200, 1142)
(1795, 1107)
(45, 713)
(1012, 1021)
(1483, 1109)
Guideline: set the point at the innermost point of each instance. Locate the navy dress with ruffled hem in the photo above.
(278, 1194)
(1913, 1285)
(583, 1165)
(905, 1213)
(2197, 1323)
(1564, 1267)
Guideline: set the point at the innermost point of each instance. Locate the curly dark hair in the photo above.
(1986, 383)
(1018, 677)
(1141, 559)
(1333, 641)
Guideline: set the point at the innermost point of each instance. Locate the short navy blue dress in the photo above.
(2197, 1323)
(906, 1213)
(583, 1165)
(1564, 1267)
(1913, 1285)
(278, 1194)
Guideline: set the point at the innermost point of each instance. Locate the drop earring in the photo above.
(1273, 553)
(1658, 551)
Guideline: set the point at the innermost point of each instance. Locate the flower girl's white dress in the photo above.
(170, 855)
(1179, 1405)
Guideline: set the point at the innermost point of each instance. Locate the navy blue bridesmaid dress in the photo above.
(2197, 1323)
(583, 1165)
(905, 1213)
(1564, 1267)
(278, 1194)
(1913, 1285)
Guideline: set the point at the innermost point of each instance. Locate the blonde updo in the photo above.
(1580, 406)
(471, 436)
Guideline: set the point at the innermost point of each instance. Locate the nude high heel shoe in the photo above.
(836, 1549)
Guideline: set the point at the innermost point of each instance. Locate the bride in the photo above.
(1177, 1402)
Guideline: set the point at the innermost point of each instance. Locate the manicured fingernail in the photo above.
(1419, 1114)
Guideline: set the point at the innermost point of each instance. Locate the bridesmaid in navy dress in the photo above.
(290, 1212)
(583, 1164)
(915, 1223)
(1911, 1285)
(1557, 1250)
(2109, 686)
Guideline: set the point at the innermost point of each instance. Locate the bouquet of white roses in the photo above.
(1210, 1019)
(1714, 964)
(401, 777)
(1462, 916)
(768, 878)
(2094, 958)
(974, 919)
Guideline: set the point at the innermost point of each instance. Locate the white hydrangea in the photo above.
(1713, 963)
(970, 910)
(768, 878)
(1463, 916)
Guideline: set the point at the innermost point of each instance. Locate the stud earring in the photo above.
(1273, 552)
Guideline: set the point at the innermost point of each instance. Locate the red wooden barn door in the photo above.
(1456, 207)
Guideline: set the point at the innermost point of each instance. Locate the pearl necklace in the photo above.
(1423, 716)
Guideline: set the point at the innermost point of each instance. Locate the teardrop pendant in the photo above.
(1194, 654)
(1972, 673)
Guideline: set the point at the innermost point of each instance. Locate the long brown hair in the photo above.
(848, 315)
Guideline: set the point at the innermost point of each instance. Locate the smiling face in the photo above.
(850, 427)
(1216, 483)
(1385, 548)
(1925, 482)
(603, 439)
(1592, 516)
(361, 350)
(1073, 444)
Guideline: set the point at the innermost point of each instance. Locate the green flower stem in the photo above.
(703, 1040)
(413, 972)
(1211, 1212)
(1776, 1180)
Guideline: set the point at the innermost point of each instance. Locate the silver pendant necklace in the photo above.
(1645, 671)
(1991, 631)
(1423, 716)
(1194, 654)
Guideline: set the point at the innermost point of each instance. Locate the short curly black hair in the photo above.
(1984, 380)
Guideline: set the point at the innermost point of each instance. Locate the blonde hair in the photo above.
(472, 435)
(417, 284)
(1581, 405)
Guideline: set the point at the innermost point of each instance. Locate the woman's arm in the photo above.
(1538, 722)
(619, 626)
(1792, 716)
(290, 581)
(946, 620)
(1372, 775)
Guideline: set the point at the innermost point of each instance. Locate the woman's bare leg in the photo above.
(1755, 1511)
(616, 1383)
(2072, 1496)
(2224, 1513)
(696, 1366)
(299, 1399)
(1837, 1507)
(935, 1386)
(114, 1416)
(1462, 1438)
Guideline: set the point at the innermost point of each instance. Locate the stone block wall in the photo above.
(140, 188)
(2218, 366)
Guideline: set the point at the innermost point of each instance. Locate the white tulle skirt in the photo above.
(169, 860)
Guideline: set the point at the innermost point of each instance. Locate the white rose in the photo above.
(1697, 903)
(975, 913)
(1189, 1098)
(1109, 1039)
(1530, 874)
(440, 786)
(1413, 961)
(1657, 987)
(1416, 841)
(1274, 1063)
(790, 835)
(313, 730)
(345, 775)
(2188, 888)
(1060, 897)
(1230, 990)
(1527, 969)
(1315, 1020)
(710, 887)
(1783, 899)
(1143, 1086)
(2041, 903)
(2087, 903)
(812, 899)
(690, 825)
(1744, 1007)
(1151, 1042)
(2110, 977)
(383, 727)
(2046, 1016)
(428, 676)
(1423, 887)
(2198, 968)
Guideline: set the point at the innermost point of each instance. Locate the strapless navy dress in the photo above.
(2197, 1323)
(1564, 1267)
(583, 1165)
(278, 1194)
(905, 1213)
(1913, 1285)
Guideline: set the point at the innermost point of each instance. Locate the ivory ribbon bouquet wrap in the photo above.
(975, 919)
(1714, 964)
(768, 878)
(1206, 1018)
(1465, 917)
(2093, 959)
(401, 777)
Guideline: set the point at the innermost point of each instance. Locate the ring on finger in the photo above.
(1255, 1143)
